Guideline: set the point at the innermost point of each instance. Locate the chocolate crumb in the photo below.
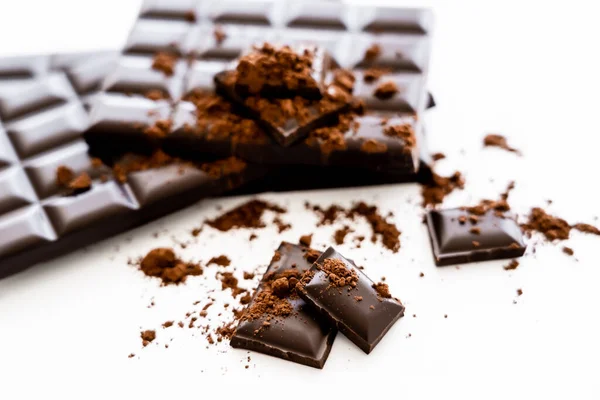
(462, 220)
(245, 299)
(164, 62)
(519, 292)
(386, 90)
(587, 228)
(306, 240)
(435, 191)
(372, 146)
(219, 35)
(476, 243)
(513, 264)
(252, 237)
(358, 298)
(222, 261)
(131, 355)
(248, 275)
(373, 52)
(373, 74)
(438, 156)
(312, 255)
(568, 251)
(445, 315)
(64, 175)
(372, 307)
(168, 324)
(421, 275)
(475, 230)
(147, 337)
(338, 274)
(494, 140)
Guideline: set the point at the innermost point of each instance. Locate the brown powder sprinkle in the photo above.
(372, 146)
(358, 298)
(164, 62)
(222, 261)
(519, 292)
(305, 240)
(340, 234)
(402, 131)
(248, 275)
(133, 162)
(312, 255)
(228, 281)
(163, 264)
(225, 167)
(551, 227)
(156, 95)
(247, 215)
(494, 140)
(390, 235)
(81, 182)
(382, 290)
(568, 251)
(276, 257)
(372, 53)
(147, 337)
(386, 90)
(587, 228)
(475, 230)
(338, 274)
(344, 79)
(64, 175)
(476, 243)
(219, 35)
(438, 156)
(160, 129)
(513, 264)
(439, 187)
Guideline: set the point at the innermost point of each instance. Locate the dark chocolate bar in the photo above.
(350, 300)
(299, 333)
(393, 41)
(43, 113)
(458, 238)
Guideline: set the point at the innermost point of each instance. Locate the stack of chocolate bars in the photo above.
(306, 93)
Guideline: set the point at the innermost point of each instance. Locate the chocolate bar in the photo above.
(288, 328)
(221, 32)
(43, 113)
(459, 237)
(362, 310)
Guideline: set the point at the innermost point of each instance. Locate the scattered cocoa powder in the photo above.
(224, 167)
(248, 275)
(568, 251)
(160, 129)
(312, 255)
(147, 337)
(358, 298)
(439, 187)
(228, 281)
(475, 230)
(494, 140)
(338, 274)
(382, 290)
(222, 261)
(373, 146)
(389, 233)
(344, 79)
(156, 94)
(305, 240)
(281, 226)
(164, 62)
(372, 53)
(163, 264)
(513, 264)
(64, 176)
(551, 227)
(219, 35)
(168, 324)
(341, 233)
(386, 90)
(586, 228)
(247, 215)
(519, 292)
(404, 132)
(373, 74)
(438, 156)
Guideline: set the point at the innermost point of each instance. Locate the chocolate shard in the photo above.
(455, 242)
(279, 323)
(336, 293)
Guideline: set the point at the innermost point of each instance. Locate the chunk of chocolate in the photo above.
(286, 120)
(492, 237)
(277, 322)
(362, 310)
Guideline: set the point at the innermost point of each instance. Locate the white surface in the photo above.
(527, 70)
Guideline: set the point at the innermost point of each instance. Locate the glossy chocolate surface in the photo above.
(454, 242)
(364, 322)
(304, 336)
(43, 118)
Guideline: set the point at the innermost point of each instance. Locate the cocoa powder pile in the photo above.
(553, 228)
(439, 187)
(162, 263)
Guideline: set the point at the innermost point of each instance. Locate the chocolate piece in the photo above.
(454, 242)
(286, 120)
(332, 286)
(282, 72)
(287, 328)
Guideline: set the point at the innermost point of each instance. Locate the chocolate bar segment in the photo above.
(296, 333)
(457, 237)
(349, 299)
(286, 120)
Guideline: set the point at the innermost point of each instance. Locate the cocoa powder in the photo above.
(162, 263)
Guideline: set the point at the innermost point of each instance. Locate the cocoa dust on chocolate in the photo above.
(340, 234)
(372, 53)
(219, 35)
(338, 273)
(162, 263)
(382, 289)
(373, 74)
(386, 90)
(164, 62)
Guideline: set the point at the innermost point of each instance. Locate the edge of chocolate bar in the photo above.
(366, 321)
(498, 238)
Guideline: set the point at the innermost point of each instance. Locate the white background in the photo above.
(528, 70)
